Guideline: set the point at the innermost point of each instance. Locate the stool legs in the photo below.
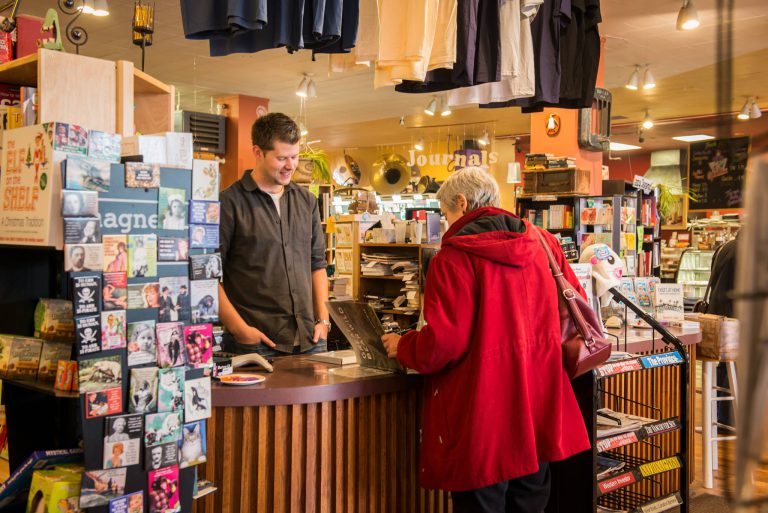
(707, 385)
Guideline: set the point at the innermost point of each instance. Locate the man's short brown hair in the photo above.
(276, 126)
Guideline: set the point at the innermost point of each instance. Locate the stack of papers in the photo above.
(342, 288)
(385, 264)
(608, 466)
(611, 423)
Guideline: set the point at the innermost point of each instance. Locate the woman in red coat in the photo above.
(498, 405)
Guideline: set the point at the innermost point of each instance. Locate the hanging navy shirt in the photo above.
(206, 19)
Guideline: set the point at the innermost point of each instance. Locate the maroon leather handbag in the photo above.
(584, 346)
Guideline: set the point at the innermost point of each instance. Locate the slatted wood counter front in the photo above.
(311, 439)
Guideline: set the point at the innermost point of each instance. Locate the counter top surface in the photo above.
(299, 380)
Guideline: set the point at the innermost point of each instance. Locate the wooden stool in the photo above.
(709, 423)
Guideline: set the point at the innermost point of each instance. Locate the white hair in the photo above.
(475, 183)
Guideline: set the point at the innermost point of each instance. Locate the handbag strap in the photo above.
(565, 289)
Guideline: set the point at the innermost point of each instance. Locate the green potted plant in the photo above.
(313, 167)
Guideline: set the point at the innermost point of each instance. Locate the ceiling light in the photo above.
(648, 81)
(634, 79)
(432, 107)
(86, 7)
(755, 112)
(745, 110)
(303, 129)
(484, 140)
(445, 110)
(688, 17)
(693, 138)
(419, 145)
(100, 8)
(311, 89)
(402, 120)
(302, 89)
(647, 121)
(617, 146)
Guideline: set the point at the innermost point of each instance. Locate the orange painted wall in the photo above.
(243, 111)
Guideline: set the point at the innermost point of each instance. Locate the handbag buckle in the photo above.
(569, 294)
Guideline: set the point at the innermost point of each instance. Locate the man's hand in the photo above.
(321, 332)
(250, 336)
(391, 340)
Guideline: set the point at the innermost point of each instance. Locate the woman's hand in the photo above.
(390, 341)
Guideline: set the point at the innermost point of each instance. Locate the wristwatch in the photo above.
(324, 322)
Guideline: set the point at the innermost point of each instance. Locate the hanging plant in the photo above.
(321, 167)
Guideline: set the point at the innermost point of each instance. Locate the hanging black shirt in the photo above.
(206, 19)
(350, 19)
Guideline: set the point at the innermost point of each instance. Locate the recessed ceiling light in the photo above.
(693, 138)
(617, 146)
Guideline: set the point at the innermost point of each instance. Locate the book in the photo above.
(100, 486)
(51, 353)
(197, 399)
(114, 293)
(142, 255)
(82, 230)
(343, 357)
(142, 395)
(205, 180)
(115, 253)
(79, 204)
(24, 358)
(122, 440)
(99, 373)
(205, 266)
(204, 212)
(162, 428)
(14, 491)
(104, 402)
(170, 344)
(5, 352)
(104, 146)
(86, 293)
(142, 175)
(192, 444)
(172, 209)
(172, 249)
(142, 346)
(143, 295)
(199, 344)
(131, 503)
(205, 301)
(88, 334)
(668, 298)
(70, 138)
(170, 389)
(83, 257)
(113, 329)
(164, 490)
(174, 299)
(161, 455)
(86, 173)
(203, 236)
(53, 319)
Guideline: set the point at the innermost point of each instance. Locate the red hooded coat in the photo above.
(497, 400)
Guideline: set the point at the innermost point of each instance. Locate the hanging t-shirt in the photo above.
(349, 15)
(206, 19)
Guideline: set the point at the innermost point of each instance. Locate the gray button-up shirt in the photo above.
(268, 259)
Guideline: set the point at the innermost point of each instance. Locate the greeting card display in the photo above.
(105, 402)
(86, 294)
(114, 294)
(205, 301)
(162, 455)
(104, 145)
(79, 203)
(82, 257)
(115, 253)
(142, 175)
(88, 334)
(142, 347)
(131, 503)
(205, 267)
(205, 180)
(172, 209)
(122, 440)
(171, 389)
(100, 486)
(204, 212)
(203, 236)
(113, 329)
(100, 373)
(142, 256)
(162, 428)
(199, 344)
(172, 249)
(197, 399)
(170, 344)
(174, 299)
(192, 445)
(85, 173)
(82, 230)
(143, 391)
(164, 490)
(143, 295)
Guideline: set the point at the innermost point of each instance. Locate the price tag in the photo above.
(642, 184)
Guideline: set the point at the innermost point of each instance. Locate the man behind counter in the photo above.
(273, 294)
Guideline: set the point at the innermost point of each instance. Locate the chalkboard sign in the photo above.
(716, 173)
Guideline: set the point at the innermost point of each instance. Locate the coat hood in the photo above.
(493, 234)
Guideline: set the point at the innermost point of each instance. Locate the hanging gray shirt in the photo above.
(268, 259)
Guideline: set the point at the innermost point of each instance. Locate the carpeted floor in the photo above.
(707, 503)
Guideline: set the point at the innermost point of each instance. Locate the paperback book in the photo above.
(52, 352)
(104, 145)
(170, 344)
(24, 359)
(86, 294)
(205, 180)
(199, 344)
(204, 212)
(79, 203)
(172, 209)
(115, 291)
(142, 175)
(131, 503)
(142, 347)
(669, 302)
(203, 236)
(171, 391)
(172, 249)
(88, 334)
(197, 399)
(143, 295)
(143, 390)
(164, 490)
(162, 428)
(192, 445)
(104, 402)
(85, 173)
(205, 301)
(113, 329)
(159, 456)
(174, 299)
(122, 440)
(82, 257)
(205, 266)
(82, 230)
(115, 253)
(101, 486)
(142, 256)
(100, 373)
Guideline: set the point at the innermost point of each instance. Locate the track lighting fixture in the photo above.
(311, 89)
(431, 107)
(302, 89)
(634, 82)
(303, 129)
(647, 120)
(755, 112)
(634, 79)
(445, 110)
(648, 81)
(750, 110)
(688, 17)
(100, 8)
(307, 87)
(419, 146)
(484, 140)
(402, 120)
(744, 114)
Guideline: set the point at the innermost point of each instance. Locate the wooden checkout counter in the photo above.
(324, 438)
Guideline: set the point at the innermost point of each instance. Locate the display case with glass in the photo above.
(693, 273)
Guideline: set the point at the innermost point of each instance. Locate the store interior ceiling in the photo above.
(349, 112)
